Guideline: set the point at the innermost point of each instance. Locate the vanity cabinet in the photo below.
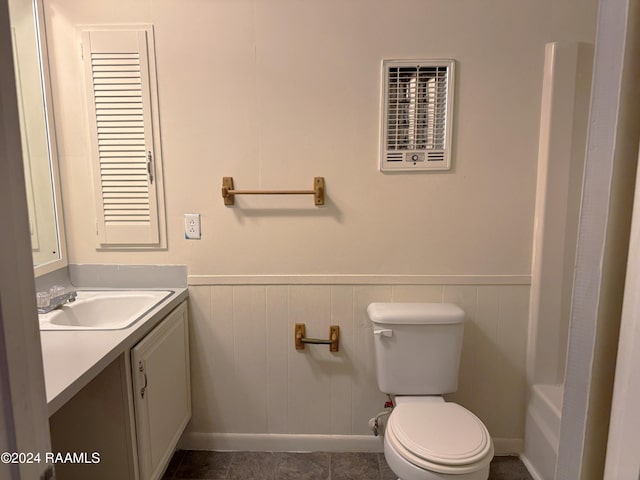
(97, 420)
(133, 412)
(161, 392)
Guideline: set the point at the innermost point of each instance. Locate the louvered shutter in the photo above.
(416, 116)
(119, 79)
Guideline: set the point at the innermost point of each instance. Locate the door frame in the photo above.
(24, 416)
(622, 459)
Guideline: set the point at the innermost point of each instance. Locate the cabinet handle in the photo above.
(150, 166)
(144, 387)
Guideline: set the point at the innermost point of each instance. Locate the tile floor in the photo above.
(193, 464)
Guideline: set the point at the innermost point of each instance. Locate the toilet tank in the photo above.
(417, 347)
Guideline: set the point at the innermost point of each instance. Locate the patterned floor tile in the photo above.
(354, 466)
(205, 465)
(304, 466)
(254, 466)
(199, 464)
(508, 468)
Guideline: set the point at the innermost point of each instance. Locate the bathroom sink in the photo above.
(103, 310)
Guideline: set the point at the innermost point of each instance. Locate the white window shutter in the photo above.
(125, 147)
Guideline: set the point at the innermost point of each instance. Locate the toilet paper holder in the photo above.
(333, 341)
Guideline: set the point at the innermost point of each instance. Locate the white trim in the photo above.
(22, 397)
(622, 458)
(532, 471)
(194, 280)
(602, 242)
(283, 442)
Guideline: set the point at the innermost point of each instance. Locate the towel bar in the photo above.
(229, 192)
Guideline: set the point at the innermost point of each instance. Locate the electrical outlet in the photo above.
(192, 226)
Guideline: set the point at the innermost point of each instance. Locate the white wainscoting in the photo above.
(253, 391)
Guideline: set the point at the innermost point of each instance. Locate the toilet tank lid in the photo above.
(415, 313)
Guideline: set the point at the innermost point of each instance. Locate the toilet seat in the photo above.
(442, 437)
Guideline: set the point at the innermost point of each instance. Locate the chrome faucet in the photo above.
(58, 301)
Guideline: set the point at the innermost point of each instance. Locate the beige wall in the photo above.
(274, 93)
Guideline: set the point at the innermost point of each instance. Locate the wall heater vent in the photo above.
(417, 106)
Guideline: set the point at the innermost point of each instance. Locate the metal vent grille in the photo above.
(416, 114)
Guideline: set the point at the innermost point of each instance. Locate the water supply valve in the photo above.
(374, 423)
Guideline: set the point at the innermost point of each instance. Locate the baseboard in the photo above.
(277, 442)
(532, 471)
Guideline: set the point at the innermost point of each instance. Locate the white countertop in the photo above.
(73, 358)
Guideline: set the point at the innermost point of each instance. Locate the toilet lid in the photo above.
(442, 433)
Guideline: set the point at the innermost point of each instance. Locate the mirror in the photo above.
(38, 149)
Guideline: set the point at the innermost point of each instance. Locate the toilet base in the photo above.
(408, 471)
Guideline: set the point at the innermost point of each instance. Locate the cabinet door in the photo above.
(120, 79)
(162, 391)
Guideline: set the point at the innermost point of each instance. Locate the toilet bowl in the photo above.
(427, 438)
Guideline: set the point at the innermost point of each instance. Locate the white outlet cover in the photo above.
(192, 226)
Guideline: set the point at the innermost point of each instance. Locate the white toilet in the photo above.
(417, 349)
